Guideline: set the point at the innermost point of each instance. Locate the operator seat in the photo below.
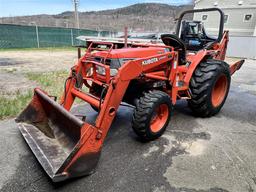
(178, 44)
(194, 36)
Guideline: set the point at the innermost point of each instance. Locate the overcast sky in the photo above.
(32, 7)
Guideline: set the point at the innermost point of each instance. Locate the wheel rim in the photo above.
(159, 118)
(219, 90)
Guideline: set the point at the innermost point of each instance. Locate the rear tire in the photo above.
(152, 115)
(209, 87)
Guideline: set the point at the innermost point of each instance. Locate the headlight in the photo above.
(113, 72)
(102, 71)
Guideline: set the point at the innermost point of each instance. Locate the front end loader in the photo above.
(150, 77)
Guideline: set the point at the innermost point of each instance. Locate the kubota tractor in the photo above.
(151, 77)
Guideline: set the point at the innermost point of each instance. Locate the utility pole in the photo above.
(76, 2)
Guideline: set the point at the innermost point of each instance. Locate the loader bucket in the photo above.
(63, 144)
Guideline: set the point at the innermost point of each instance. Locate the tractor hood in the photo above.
(137, 52)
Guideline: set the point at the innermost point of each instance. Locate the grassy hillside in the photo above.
(141, 17)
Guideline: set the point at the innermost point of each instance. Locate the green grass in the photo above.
(51, 82)
(13, 106)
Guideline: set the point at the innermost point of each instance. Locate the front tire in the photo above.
(209, 87)
(152, 115)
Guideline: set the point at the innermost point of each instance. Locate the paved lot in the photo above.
(215, 154)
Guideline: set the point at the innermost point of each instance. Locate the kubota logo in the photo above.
(149, 61)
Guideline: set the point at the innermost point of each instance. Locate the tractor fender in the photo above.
(195, 60)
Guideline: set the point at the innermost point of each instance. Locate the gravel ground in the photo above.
(14, 65)
(194, 155)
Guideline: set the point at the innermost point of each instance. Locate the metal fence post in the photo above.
(37, 37)
(72, 41)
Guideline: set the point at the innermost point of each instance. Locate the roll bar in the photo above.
(221, 25)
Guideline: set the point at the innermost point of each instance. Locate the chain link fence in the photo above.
(19, 36)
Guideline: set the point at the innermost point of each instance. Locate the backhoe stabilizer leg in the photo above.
(236, 66)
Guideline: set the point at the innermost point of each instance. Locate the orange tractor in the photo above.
(151, 77)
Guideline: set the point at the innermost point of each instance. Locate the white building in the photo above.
(240, 20)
